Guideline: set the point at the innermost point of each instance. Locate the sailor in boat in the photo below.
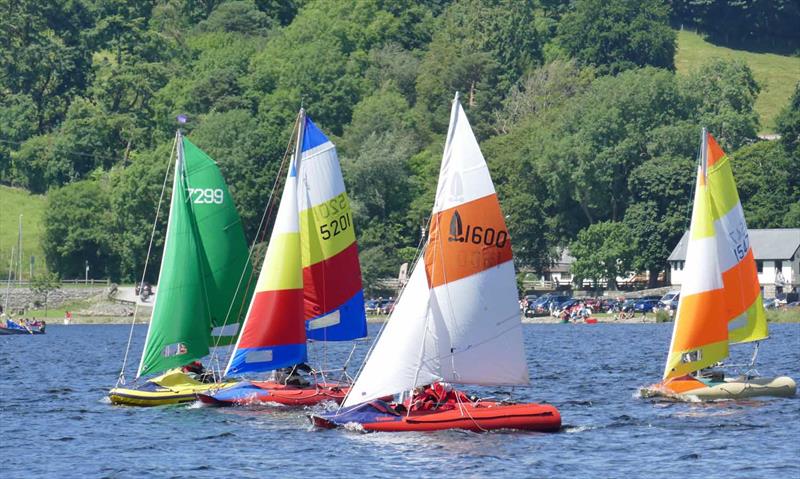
(292, 376)
(196, 371)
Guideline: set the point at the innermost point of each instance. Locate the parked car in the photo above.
(386, 307)
(645, 305)
(670, 300)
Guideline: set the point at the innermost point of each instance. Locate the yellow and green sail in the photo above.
(720, 297)
(205, 277)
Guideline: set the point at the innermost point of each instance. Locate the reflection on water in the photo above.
(53, 388)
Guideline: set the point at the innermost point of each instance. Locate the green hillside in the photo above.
(17, 202)
(776, 74)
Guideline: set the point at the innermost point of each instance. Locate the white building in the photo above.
(777, 254)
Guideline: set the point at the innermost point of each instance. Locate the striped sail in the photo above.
(273, 334)
(720, 298)
(333, 295)
(458, 318)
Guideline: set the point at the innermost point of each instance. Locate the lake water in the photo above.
(55, 420)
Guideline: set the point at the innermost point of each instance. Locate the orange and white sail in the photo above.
(720, 298)
(458, 318)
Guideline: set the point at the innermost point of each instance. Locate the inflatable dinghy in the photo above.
(716, 386)
(172, 387)
(477, 416)
(259, 392)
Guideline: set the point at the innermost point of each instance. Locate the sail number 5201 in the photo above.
(335, 226)
(206, 196)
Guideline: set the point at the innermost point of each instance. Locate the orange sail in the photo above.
(720, 298)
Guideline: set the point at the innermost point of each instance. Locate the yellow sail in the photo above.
(720, 298)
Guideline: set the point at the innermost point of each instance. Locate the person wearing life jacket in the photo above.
(291, 376)
(437, 397)
(196, 371)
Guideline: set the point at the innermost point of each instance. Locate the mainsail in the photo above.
(720, 300)
(334, 299)
(205, 267)
(458, 318)
(310, 281)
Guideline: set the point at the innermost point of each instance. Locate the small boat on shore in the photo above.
(720, 300)
(10, 326)
(456, 322)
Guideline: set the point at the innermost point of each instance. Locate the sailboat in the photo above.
(720, 300)
(456, 321)
(309, 286)
(204, 281)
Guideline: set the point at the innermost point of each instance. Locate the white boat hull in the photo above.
(734, 388)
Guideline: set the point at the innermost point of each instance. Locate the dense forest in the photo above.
(590, 135)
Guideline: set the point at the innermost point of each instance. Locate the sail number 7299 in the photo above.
(203, 196)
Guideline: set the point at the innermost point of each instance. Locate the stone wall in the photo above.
(24, 298)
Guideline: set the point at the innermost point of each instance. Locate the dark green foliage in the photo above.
(89, 91)
(602, 252)
(763, 23)
(765, 174)
(78, 230)
(788, 123)
(617, 35)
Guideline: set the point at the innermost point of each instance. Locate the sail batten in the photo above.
(457, 319)
(721, 301)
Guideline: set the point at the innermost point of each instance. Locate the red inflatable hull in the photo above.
(258, 392)
(483, 416)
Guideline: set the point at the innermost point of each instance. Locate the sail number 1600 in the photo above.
(335, 226)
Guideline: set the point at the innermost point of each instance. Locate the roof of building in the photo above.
(777, 243)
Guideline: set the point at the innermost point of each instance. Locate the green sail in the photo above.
(229, 277)
(180, 325)
(205, 255)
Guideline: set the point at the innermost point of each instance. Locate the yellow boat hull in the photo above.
(173, 387)
(688, 388)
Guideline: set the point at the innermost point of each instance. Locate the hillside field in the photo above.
(776, 74)
(15, 202)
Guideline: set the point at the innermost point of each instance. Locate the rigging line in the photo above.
(262, 228)
(421, 246)
(121, 378)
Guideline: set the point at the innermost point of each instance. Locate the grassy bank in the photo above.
(17, 202)
(776, 74)
(783, 316)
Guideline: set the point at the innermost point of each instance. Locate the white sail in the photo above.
(458, 319)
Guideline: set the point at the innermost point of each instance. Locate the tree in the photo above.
(788, 124)
(618, 35)
(602, 251)
(763, 173)
(44, 284)
(662, 190)
(79, 230)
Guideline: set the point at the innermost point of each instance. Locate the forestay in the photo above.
(310, 282)
(205, 257)
(458, 318)
(273, 334)
(720, 300)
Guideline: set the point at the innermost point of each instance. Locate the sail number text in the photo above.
(206, 196)
(335, 226)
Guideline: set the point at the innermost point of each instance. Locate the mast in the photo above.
(167, 238)
(273, 334)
